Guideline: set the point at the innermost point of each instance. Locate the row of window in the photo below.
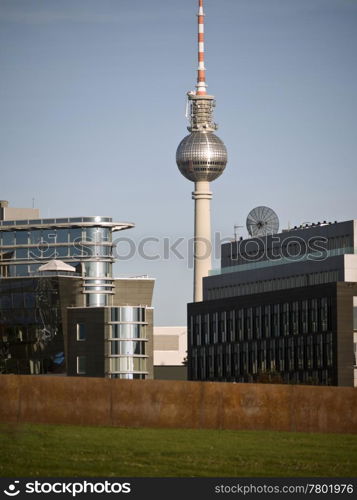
(91, 269)
(189, 163)
(31, 333)
(243, 251)
(125, 365)
(61, 220)
(119, 331)
(272, 285)
(234, 361)
(32, 366)
(127, 314)
(50, 236)
(126, 348)
(298, 317)
(51, 252)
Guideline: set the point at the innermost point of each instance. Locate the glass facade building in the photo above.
(85, 243)
(31, 328)
(34, 304)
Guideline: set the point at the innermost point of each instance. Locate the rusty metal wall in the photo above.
(176, 404)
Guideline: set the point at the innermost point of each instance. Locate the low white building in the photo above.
(170, 352)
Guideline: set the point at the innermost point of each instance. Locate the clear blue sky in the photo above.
(92, 110)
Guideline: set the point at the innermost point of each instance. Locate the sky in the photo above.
(92, 109)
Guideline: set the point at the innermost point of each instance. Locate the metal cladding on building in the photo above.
(201, 157)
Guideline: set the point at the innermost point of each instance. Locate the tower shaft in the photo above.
(202, 236)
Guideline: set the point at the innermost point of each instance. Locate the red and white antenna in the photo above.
(201, 71)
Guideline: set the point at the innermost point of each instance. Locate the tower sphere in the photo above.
(201, 156)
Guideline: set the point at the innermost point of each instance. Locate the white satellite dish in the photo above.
(262, 221)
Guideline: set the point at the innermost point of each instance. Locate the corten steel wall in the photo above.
(176, 404)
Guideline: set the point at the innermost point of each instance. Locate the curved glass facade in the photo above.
(23, 251)
(126, 353)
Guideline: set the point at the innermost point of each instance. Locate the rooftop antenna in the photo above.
(33, 202)
(201, 70)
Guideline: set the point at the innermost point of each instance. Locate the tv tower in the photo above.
(201, 157)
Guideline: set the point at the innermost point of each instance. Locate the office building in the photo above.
(53, 271)
(282, 308)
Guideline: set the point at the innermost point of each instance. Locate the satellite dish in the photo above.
(262, 221)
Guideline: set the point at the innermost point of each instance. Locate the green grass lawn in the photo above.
(58, 450)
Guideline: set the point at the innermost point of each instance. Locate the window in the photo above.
(309, 352)
(281, 354)
(128, 314)
(286, 325)
(21, 237)
(21, 253)
(240, 324)
(8, 238)
(305, 316)
(276, 320)
(215, 328)
(81, 365)
(21, 270)
(75, 234)
(300, 353)
(329, 349)
(128, 348)
(61, 252)
(230, 323)
(62, 236)
(81, 331)
(272, 355)
(48, 236)
(206, 329)
(295, 318)
(324, 314)
(133, 331)
(267, 321)
(313, 315)
(248, 322)
(258, 322)
(125, 364)
(222, 327)
(291, 354)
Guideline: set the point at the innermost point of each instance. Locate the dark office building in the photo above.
(288, 317)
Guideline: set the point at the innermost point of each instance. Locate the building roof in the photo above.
(57, 265)
(67, 222)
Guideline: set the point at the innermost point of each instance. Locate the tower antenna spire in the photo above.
(201, 70)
